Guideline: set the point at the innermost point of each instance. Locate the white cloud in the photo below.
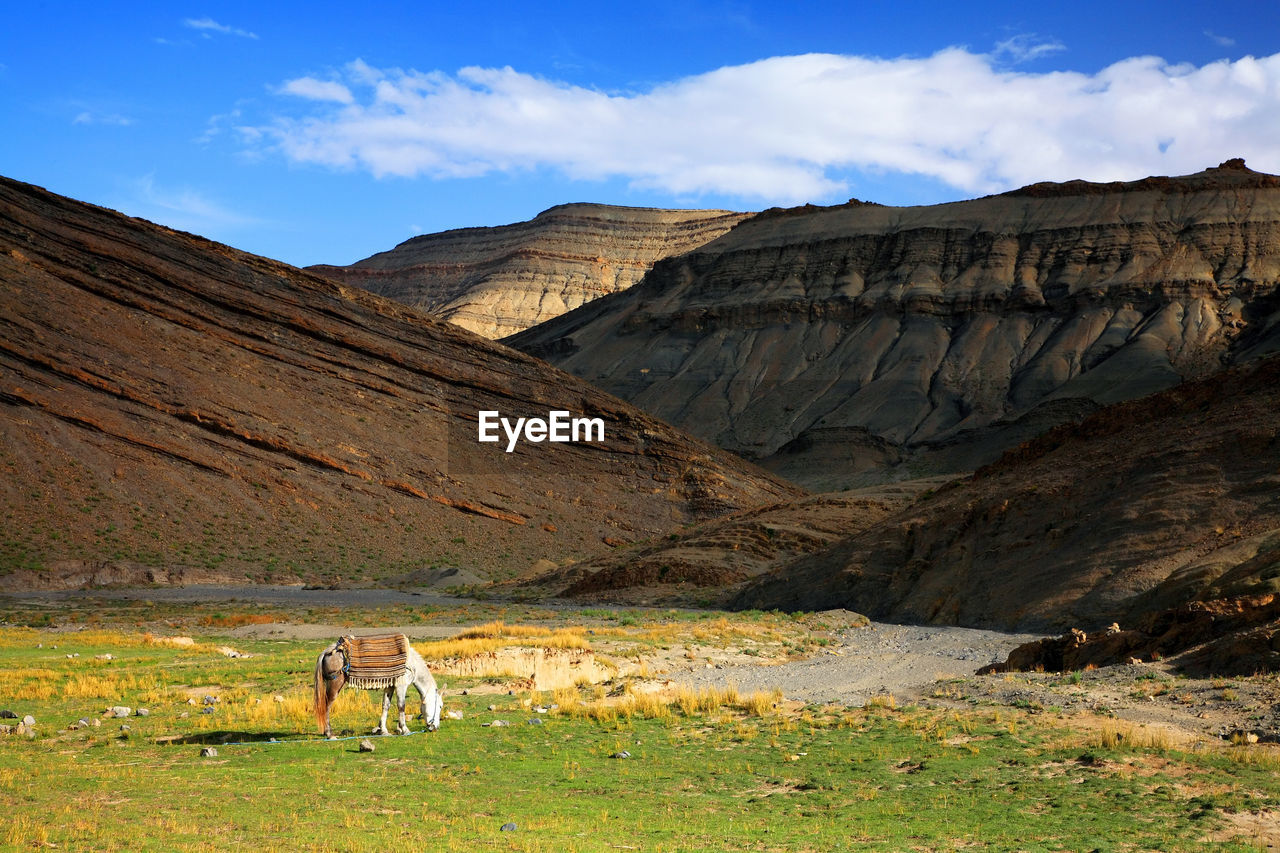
(798, 128)
(1027, 47)
(318, 90)
(113, 119)
(209, 25)
(183, 208)
(1221, 41)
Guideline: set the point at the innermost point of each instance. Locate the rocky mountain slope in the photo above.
(845, 345)
(499, 281)
(707, 563)
(1140, 509)
(171, 408)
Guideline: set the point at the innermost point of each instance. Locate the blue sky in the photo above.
(325, 132)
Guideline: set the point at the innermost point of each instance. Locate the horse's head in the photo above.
(436, 705)
(330, 678)
(332, 663)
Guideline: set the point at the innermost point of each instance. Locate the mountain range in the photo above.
(851, 345)
(1044, 409)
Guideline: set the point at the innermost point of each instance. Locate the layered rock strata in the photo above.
(173, 409)
(834, 345)
(499, 281)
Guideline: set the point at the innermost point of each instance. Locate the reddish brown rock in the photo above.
(173, 410)
(1235, 636)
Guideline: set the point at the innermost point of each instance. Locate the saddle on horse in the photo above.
(374, 662)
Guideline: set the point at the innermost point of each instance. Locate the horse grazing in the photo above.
(386, 663)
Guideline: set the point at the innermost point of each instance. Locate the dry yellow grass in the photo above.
(649, 706)
(12, 638)
(29, 683)
(1111, 735)
(659, 705)
(108, 685)
(493, 636)
(1267, 757)
(23, 831)
(725, 703)
(290, 711)
(762, 702)
(884, 701)
(502, 629)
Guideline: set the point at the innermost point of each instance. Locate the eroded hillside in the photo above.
(172, 408)
(846, 345)
(1138, 510)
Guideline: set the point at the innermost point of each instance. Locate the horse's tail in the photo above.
(322, 691)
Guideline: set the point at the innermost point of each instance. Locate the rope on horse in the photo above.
(274, 742)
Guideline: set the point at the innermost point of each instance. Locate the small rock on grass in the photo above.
(623, 754)
(509, 827)
(366, 745)
(208, 752)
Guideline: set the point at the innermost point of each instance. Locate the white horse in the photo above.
(332, 674)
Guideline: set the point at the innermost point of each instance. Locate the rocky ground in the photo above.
(865, 661)
(936, 666)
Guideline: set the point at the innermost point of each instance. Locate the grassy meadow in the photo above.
(709, 770)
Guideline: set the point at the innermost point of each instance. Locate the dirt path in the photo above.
(902, 660)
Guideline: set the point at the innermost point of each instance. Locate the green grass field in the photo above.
(723, 773)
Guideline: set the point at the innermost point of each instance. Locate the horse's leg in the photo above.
(386, 706)
(402, 692)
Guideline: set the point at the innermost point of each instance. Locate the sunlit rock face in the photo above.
(499, 281)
